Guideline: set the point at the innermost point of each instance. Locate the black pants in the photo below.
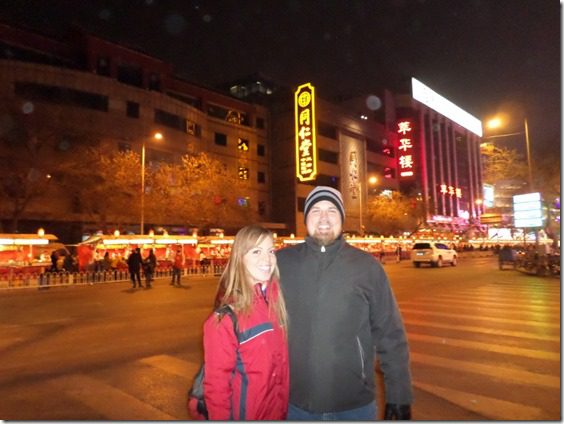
(135, 275)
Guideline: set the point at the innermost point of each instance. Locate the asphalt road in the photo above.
(485, 344)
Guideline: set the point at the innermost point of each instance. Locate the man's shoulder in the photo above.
(290, 251)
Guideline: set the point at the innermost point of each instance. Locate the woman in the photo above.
(248, 379)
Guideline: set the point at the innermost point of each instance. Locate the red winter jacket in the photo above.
(253, 382)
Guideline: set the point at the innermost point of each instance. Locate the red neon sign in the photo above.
(406, 158)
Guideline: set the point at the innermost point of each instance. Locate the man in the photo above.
(134, 265)
(342, 313)
(177, 266)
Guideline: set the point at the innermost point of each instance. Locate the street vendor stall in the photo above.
(91, 252)
(29, 252)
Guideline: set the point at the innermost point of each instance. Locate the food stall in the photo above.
(91, 251)
(28, 253)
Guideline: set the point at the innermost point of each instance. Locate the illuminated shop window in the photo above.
(243, 173)
(243, 145)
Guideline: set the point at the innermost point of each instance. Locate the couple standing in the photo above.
(306, 348)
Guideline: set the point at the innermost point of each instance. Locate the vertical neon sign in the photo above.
(306, 143)
(406, 156)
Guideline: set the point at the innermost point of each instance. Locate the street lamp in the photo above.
(496, 123)
(156, 136)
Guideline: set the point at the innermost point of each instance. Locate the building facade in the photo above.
(89, 86)
(280, 140)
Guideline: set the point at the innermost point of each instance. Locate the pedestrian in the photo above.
(54, 258)
(342, 316)
(106, 261)
(134, 265)
(177, 266)
(247, 379)
(149, 266)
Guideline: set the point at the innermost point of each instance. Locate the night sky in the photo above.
(483, 55)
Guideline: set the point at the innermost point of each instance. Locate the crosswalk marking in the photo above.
(494, 409)
(487, 347)
(111, 402)
(490, 304)
(491, 371)
(482, 318)
(504, 295)
(488, 311)
(482, 330)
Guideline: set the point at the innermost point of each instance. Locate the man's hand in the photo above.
(397, 412)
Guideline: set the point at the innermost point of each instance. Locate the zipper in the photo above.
(361, 351)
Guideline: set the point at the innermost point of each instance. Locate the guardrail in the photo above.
(31, 280)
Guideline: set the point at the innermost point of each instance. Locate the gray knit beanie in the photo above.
(324, 193)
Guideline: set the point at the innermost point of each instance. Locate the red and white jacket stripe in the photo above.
(247, 379)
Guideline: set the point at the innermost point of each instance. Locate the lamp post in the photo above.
(156, 136)
(496, 123)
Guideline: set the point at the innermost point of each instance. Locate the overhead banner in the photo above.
(306, 133)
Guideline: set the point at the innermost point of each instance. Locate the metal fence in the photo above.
(16, 279)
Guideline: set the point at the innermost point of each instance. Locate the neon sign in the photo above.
(406, 160)
(306, 145)
(450, 190)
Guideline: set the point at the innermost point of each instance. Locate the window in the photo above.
(229, 115)
(243, 173)
(133, 109)
(328, 156)
(220, 139)
(260, 123)
(327, 130)
(130, 75)
(193, 129)
(154, 82)
(260, 150)
(61, 95)
(243, 145)
(261, 177)
(170, 120)
(103, 66)
(192, 101)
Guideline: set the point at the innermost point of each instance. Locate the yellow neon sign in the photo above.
(306, 133)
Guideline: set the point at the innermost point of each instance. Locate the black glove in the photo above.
(397, 412)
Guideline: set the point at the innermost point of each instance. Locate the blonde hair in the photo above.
(235, 286)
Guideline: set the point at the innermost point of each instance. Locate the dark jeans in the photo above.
(176, 275)
(364, 413)
(135, 275)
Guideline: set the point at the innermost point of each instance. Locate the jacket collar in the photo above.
(331, 249)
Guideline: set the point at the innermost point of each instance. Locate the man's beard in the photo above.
(324, 239)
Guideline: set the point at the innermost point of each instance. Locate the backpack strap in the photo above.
(226, 309)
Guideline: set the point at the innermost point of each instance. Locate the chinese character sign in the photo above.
(406, 149)
(306, 149)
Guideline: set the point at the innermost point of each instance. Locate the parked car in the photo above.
(433, 253)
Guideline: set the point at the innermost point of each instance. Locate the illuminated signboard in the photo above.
(527, 210)
(488, 195)
(450, 190)
(435, 101)
(406, 157)
(306, 146)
